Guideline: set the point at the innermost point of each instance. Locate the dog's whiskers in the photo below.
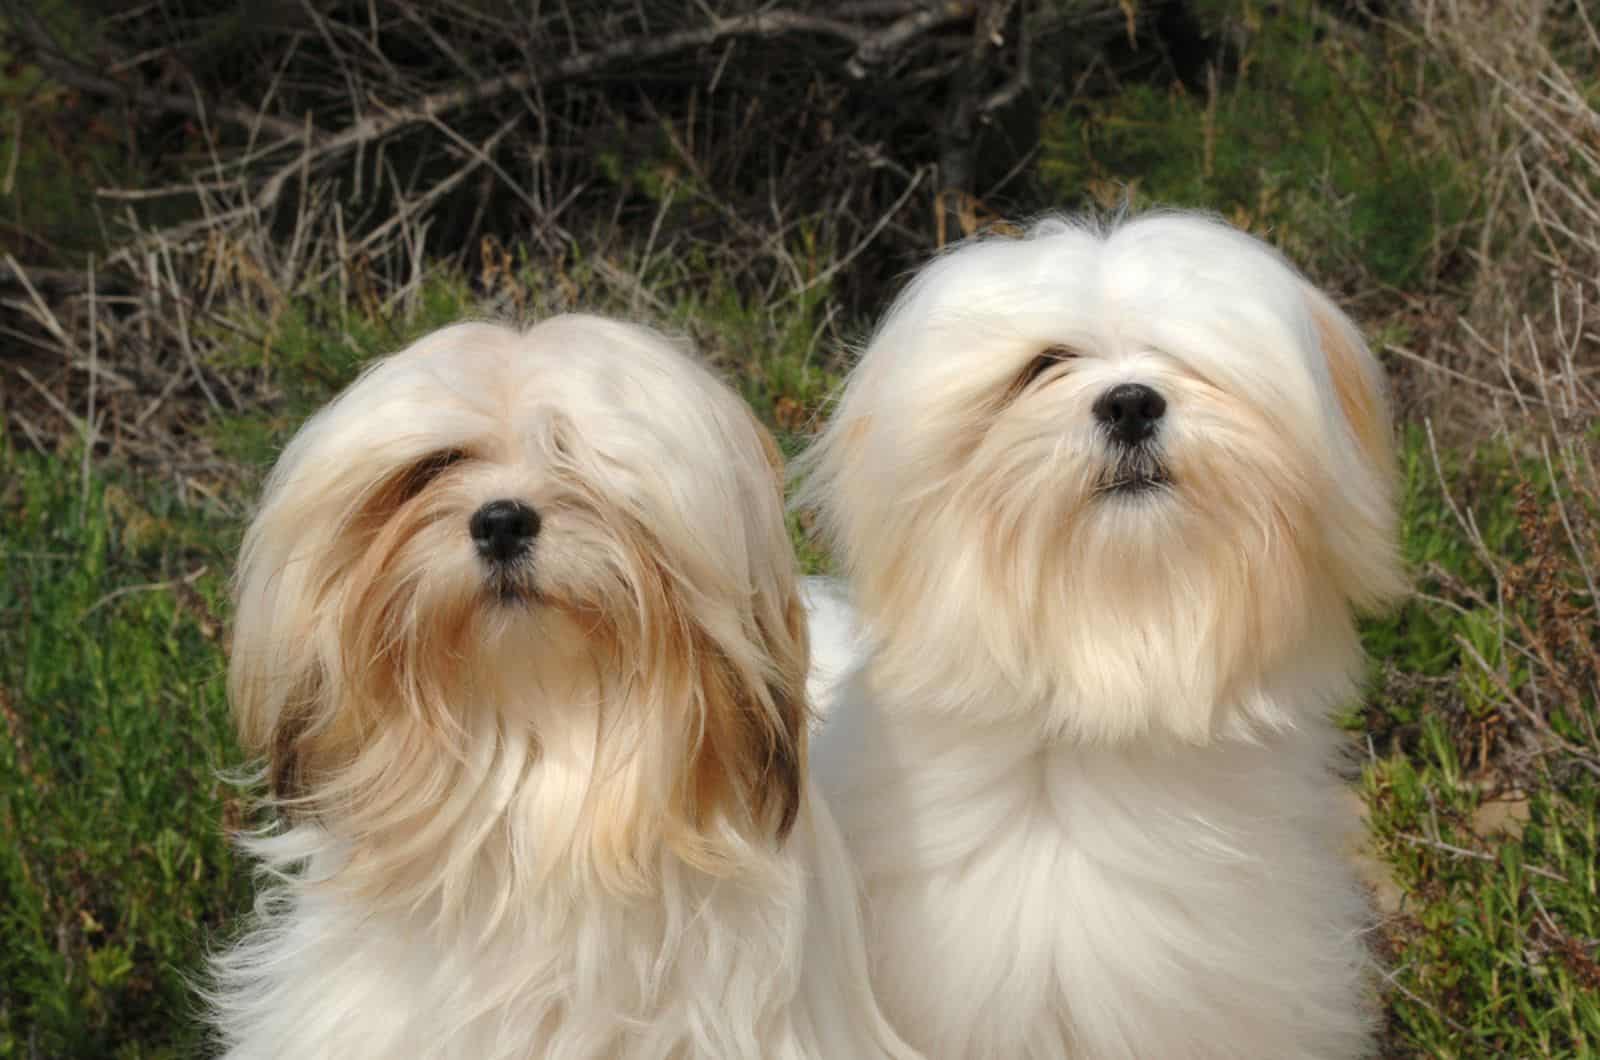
(1134, 473)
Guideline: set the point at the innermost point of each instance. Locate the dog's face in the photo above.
(1138, 477)
(565, 544)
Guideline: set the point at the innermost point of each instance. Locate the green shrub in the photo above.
(1305, 131)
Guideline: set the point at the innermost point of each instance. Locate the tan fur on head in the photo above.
(769, 446)
(1357, 380)
(633, 686)
(519, 638)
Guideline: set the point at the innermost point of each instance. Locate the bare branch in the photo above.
(319, 151)
(53, 60)
(959, 133)
(878, 45)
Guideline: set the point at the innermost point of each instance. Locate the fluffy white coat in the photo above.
(550, 805)
(1085, 763)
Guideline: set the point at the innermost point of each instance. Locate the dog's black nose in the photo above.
(502, 530)
(1130, 411)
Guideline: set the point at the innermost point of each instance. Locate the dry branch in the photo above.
(337, 151)
(871, 46)
(969, 101)
(52, 58)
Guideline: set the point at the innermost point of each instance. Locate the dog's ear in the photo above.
(825, 468)
(1357, 380)
(1374, 573)
(750, 761)
(769, 449)
(784, 743)
(275, 689)
(783, 630)
(285, 671)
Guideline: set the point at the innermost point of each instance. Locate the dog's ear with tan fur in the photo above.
(1377, 575)
(290, 678)
(751, 752)
(786, 689)
(770, 450)
(783, 631)
(1357, 380)
(279, 685)
(274, 681)
(753, 745)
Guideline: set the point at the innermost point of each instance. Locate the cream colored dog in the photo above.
(1108, 498)
(518, 635)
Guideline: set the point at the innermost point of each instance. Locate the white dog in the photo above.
(519, 636)
(1108, 498)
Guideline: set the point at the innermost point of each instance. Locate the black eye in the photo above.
(417, 477)
(401, 488)
(1048, 358)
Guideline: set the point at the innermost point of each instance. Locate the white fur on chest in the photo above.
(706, 968)
(1098, 903)
(702, 972)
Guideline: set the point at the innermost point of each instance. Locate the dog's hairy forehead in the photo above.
(1073, 278)
(565, 359)
(1182, 297)
(486, 386)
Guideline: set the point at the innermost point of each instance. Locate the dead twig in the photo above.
(127, 590)
(1476, 855)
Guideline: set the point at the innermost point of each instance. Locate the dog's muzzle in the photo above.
(1130, 413)
(504, 530)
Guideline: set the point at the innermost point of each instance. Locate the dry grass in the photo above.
(1487, 803)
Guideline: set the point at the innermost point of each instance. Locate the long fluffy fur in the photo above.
(1085, 765)
(556, 808)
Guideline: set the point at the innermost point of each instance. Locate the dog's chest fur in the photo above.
(594, 979)
(706, 968)
(1098, 903)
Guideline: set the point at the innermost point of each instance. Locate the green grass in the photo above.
(116, 869)
(1492, 950)
(113, 607)
(1493, 956)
